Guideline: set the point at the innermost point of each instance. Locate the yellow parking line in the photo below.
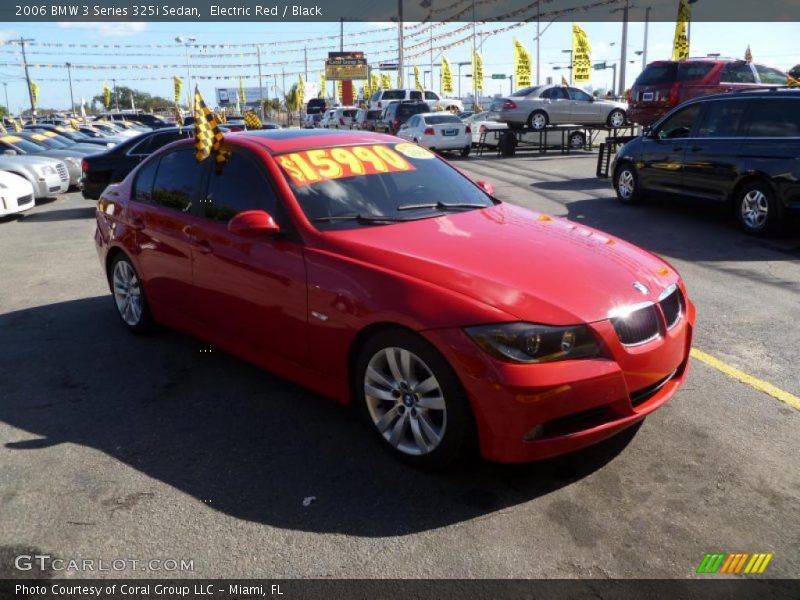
(734, 373)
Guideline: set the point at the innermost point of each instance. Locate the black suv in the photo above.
(398, 113)
(741, 148)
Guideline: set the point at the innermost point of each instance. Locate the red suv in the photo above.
(666, 83)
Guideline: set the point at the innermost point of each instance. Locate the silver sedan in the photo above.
(539, 106)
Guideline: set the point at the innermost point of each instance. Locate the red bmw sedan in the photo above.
(371, 271)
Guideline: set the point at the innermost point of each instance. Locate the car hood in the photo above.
(26, 160)
(530, 265)
(59, 153)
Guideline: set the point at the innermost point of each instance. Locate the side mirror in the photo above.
(485, 186)
(647, 131)
(253, 223)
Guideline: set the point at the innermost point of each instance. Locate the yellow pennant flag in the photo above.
(447, 77)
(477, 73)
(386, 81)
(34, 93)
(252, 121)
(3, 127)
(581, 56)
(17, 124)
(417, 83)
(177, 85)
(323, 81)
(374, 84)
(564, 81)
(106, 95)
(207, 136)
(522, 65)
(339, 91)
(301, 90)
(680, 44)
(242, 95)
(792, 82)
(748, 56)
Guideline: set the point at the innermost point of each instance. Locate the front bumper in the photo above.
(532, 412)
(49, 186)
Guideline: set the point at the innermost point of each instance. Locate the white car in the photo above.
(323, 123)
(341, 117)
(16, 194)
(382, 98)
(481, 125)
(438, 131)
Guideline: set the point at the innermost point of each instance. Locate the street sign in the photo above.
(498, 76)
(387, 66)
(599, 66)
(346, 65)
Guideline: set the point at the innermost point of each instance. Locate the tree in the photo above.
(794, 72)
(3, 111)
(142, 100)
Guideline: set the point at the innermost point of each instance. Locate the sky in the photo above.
(770, 43)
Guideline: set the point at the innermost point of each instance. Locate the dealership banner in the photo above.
(397, 589)
(430, 11)
(581, 56)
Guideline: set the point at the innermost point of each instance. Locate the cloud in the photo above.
(109, 29)
(6, 34)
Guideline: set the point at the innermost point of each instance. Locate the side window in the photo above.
(778, 117)
(680, 124)
(721, 118)
(580, 95)
(162, 139)
(431, 96)
(555, 93)
(769, 75)
(737, 73)
(176, 180)
(416, 95)
(239, 186)
(143, 185)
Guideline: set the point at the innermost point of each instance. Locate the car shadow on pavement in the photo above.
(236, 438)
(61, 214)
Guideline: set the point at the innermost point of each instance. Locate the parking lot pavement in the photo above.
(119, 446)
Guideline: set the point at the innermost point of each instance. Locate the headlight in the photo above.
(532, 343)
(45, 170)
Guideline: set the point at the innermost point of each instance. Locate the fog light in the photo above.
(534, 433)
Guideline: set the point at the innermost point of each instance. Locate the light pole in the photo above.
(424, 73)
(8, 108)
(689, 29)
(570, 64)
(646, 26)
(187, 43)
(461, 64)
(71, 98)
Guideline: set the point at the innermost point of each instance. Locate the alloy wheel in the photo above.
(625, 184)
(755, 210)
(538, 121)
(405, 401)
(616, 118)
(127, 293)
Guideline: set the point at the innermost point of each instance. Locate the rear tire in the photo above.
(412, 400)
(757, 210)
(128, 295)
(465, 151)
(626, 184)
(616, 118)
(577, 140)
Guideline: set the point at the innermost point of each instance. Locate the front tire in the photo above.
(577, 140)
(626, 184)
(538, 120)
(757, 211)
(128, 295)
(412, 400)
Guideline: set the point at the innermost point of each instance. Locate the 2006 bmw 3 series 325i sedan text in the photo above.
(371, 271)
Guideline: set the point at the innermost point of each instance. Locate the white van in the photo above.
(382, 98)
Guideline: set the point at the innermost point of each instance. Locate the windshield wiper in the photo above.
(442, 206)
(360, 218)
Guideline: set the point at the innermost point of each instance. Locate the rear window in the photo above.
(396, 181)
(655, 74)
(374, 114)
(349, 113)
(694, 70)
(440, 119)
(412, 109)
(394, 95)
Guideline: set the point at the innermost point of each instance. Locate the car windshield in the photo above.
(362, 186)
(439, 119)
(373, 114)
(394, 94)
(22, 146)
(42, 140)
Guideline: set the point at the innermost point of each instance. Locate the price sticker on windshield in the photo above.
(10, 139)
(325, 164)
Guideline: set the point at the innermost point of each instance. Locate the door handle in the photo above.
(137, 224)
(201, 246)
